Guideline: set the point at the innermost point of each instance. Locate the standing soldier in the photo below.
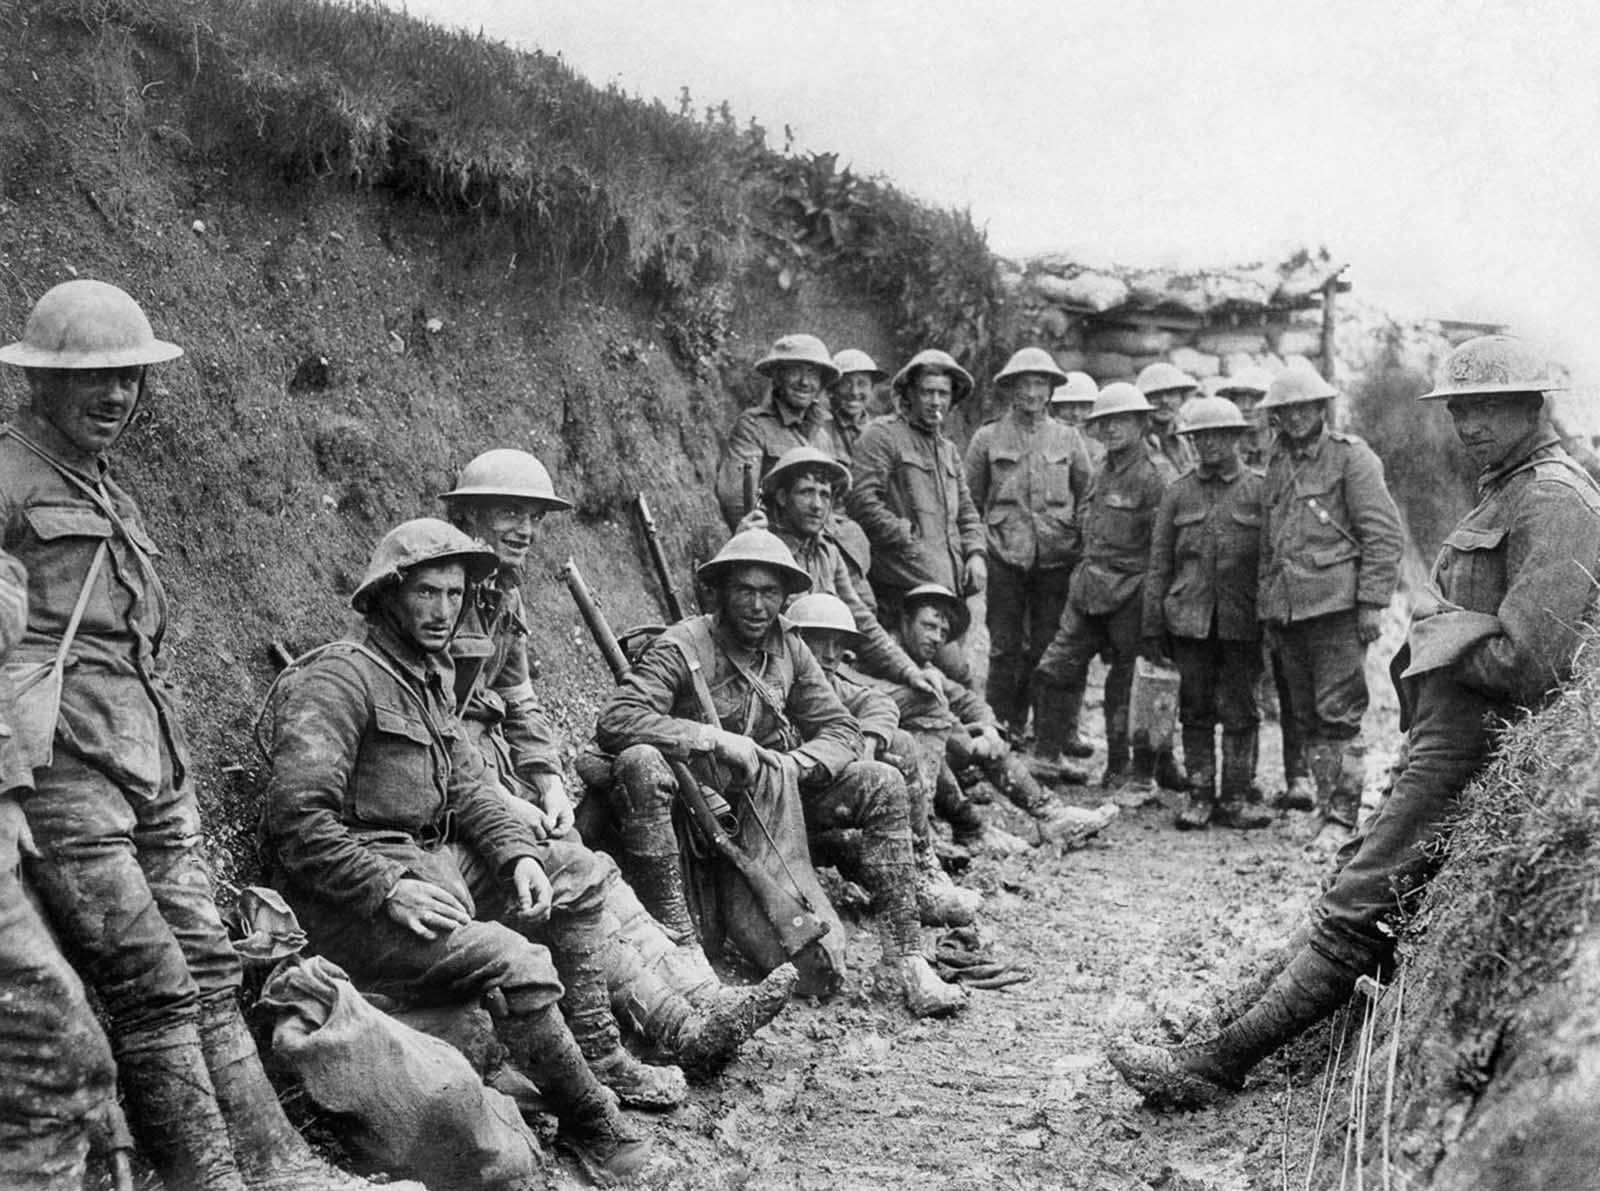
(1247, 391)
(1200, 604)
(56, 1073)
(1070, 404)
(850, 401)
(1104, 610)
(1496, 631)
(113, 812)
(1330, 558)
(1168, 387)
(1028, 474)
(911, 493)
(799, 367)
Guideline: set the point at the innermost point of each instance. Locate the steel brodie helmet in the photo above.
(1079, 389)
(820, 610)
(506, 474)
(806, 458)
(1492, 364)
(1297, 386)
(426, 541)
(799, 349)
(943, 598)
(1211, 413)
(755, 547)
(87, 324)
(1119, 397)
(1033, 360)
(853, 359)
(1162, 377)
(938, 361)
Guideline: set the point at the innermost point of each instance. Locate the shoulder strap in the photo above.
(373, 656)
(78, 610)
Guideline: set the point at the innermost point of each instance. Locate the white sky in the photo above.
(1449, 151)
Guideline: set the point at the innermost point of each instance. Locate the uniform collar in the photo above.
(733, 648)
(1539, 440)
(44, 435)
(1310, 451)
(1226, 474)
(1120, 461)
(429, 670)
(790, 421)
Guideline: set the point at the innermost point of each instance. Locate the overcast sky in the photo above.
(1449, 151)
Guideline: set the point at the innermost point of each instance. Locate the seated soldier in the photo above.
(930, 617)
(737, 692)
(656, 986)
(829, 629)
(396, 849)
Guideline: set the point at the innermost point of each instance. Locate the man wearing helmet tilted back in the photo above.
(113, 810)
(1496, 630)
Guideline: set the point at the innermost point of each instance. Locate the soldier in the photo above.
(830, 630)
(1247, 391)
(910, 493)
(1104, 610)
(964, 729)
(1070, 404)
(1168, 388)
(782, 734)
(1330, 558)
(1200, 606)
(799, 368)
(112, 812)
(1028, 475)
(393, 843)
(850, 401)
(663, 988)
(56, 1072)
(1496, 631)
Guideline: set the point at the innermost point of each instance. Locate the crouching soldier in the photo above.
(1497, 630)
(392, 841)
(1200, 605)
(829, 629)
(738, 692)
(112, 812)
(963, 728)
(1104, 606)
(56, 1073)
(667, 993)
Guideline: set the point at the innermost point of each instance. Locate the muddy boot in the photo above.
(1299, 794)
(581, 958)
(940, 901)
(1168, 773)
(926, 993)
(269, 1151)
(604, 1143)
(172, 1105)
(1116, 770)
(1199, 752)
(1305, 992)
(1055, 711)
(1344, 803)
(1234, 808)
(711, 1038)
(1068, 827)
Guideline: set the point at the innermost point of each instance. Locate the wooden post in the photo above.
(1330, 288)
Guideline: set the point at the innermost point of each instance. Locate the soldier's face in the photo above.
(807, 505)
(751, 599)
(851, 394)
(1118, 431)
(506, 527)
(90, 407)
(1167, 403)
(1301, 420)
(1030, 393)
(797, 386)
(924, 629)
(427, 605)
(828, 645)
(1216, 448)
(1491, 424)
(1072, 413)
(928, 400)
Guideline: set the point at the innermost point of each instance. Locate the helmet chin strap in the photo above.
(138, 400)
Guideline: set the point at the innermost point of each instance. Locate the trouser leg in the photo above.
(643, 790)
(1121, 637)
(871, 796)
(1007, 595)
(1063, 672)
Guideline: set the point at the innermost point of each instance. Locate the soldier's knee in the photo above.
(645, 780)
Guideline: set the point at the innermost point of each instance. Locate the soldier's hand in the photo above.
(977, 576)
(532, 889)
(557, 805)
(424, 909)
(739, 753)
(1369, 623)
(756, 518)
(921, 680)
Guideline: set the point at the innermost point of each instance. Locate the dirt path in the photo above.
(1015, 1093)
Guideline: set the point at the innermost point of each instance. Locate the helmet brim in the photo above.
(770, 364)
(551, 504)
(26, 355)
(795, 581)
(479, 565)
(1445, 392)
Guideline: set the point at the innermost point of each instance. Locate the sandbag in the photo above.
(1297, 341)
(1095, 291)
(414, 1103)
(1225, 341)
(1130, 340)
(1198, 364)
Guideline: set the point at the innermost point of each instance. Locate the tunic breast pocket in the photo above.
(1472, 568)
(919, 490)
(1058, 478)
(394, 781)
(1123, 524)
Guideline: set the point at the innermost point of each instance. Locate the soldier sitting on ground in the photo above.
(393, 843)
(830, 630)
(663, 988)
(739, 696)
(1495, 631)
(961, 731)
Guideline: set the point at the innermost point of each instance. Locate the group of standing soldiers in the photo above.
(416, 813)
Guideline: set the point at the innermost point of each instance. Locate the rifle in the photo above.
(658, 559)
(749, 485)
(789, 915)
